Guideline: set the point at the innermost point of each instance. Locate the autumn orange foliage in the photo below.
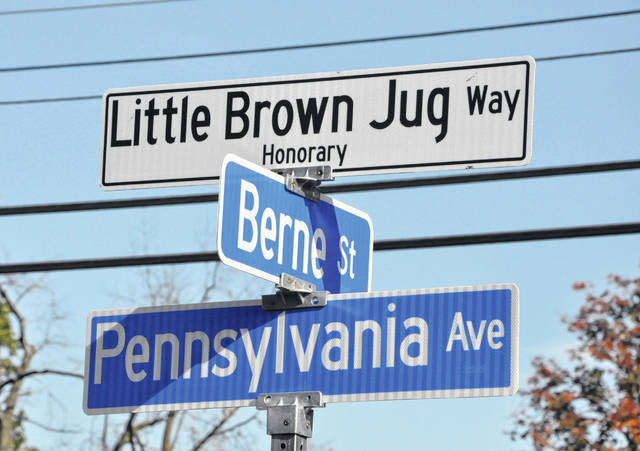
(595, 405)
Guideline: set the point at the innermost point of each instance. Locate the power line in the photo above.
(50, 100)
(331, 188)
(582, 55)
(71, 8)
(542, 59)
(383, 245)
(106, 205)
(318, 44)
(509, 237)
(485, 176)
(115, 262)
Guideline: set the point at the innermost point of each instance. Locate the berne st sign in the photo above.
(405, 119)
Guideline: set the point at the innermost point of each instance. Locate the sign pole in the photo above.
(290, 415)
(289, 418)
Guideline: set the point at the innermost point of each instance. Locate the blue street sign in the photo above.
(406, 344)
(265, 230)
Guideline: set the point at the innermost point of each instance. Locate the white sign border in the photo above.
(229, 158)
(384, 396)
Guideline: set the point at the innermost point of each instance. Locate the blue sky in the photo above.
(586, 110)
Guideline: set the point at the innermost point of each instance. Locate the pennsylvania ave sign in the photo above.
(406, 344)
(265, 230)
(402, 119)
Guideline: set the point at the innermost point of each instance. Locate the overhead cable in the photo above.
(509, 237)
(331, 188)
(382, 245)
(541, 59)
(96, 6)
(585, 54)
(50, 100)
(319, 44)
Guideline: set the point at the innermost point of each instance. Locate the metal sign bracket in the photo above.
(289, 418)
(294, 293)
(305, 181)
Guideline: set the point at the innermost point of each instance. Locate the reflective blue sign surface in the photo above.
(266, 230)
(446, 342)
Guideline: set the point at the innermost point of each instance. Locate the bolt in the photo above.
(286, 422)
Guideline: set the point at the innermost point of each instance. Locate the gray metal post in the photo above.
(290, 415)
(289, 418)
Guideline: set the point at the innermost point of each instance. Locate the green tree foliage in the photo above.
(596, 403)
(17, 437)
(8, 343)
(16, 357)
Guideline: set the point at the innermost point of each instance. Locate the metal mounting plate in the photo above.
(292, 283)
(305, 181)
(294, 293)
(289, 300)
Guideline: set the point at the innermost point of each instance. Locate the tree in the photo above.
(17, 354)
(596, 403)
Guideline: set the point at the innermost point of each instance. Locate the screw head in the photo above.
(286, 422)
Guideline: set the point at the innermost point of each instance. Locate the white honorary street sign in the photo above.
(403, 119)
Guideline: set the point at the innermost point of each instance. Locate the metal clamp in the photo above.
(294, 293)
(305, 181)
(289, 418)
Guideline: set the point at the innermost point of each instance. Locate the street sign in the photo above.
(404, 119)
(405, 344)
(265, 230)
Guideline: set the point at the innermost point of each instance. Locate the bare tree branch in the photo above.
(211, 286)
(51, 429)
(21, 376)
(166, 436)
(227, 414)
(239, 425)
(125, 437)
(25, 289)
(105, 428)
(138, 440)
(183, 416)
(131, 430)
